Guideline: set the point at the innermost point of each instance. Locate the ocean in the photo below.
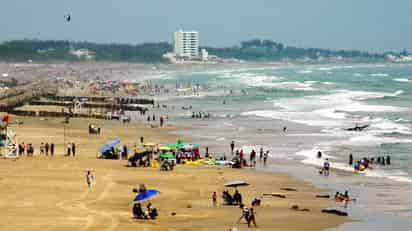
(317, 104)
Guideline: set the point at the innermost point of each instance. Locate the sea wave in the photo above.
(379, 75)
(402, 80)
(304, 71)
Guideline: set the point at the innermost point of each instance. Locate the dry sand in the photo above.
(44, 193)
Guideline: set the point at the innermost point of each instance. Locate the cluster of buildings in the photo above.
(186, 48)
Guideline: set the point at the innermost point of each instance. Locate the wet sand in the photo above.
(45, 193)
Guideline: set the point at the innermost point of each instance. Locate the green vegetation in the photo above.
(268, 50)
(253, 50)
(43, 51)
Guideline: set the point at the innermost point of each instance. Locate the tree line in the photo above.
(251, 50)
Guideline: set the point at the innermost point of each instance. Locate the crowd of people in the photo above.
(365, 163)
(28, 149)
(240, 160)
(200, 115)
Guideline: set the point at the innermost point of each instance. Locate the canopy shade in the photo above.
(236, 183)
(146, 195)
(109, 145)
(167, 155)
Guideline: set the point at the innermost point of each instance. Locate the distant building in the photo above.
(186, 45)
(204, 55)
(83, 53)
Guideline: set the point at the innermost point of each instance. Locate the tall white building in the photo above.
(186, 44)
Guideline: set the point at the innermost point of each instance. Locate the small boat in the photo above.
(357, 128)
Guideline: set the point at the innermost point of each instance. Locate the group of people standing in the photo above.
(71, 149)
(365, 162)
(239, 154)
(28, 149)
(153, 118)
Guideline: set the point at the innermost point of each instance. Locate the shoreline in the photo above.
(261, 182)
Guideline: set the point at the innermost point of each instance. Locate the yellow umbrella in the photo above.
(165, 149)
(149, 145)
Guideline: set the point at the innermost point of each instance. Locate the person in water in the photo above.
(319, 154)
(326, 166)
(350, 159)
(232, 146)
(388, 160)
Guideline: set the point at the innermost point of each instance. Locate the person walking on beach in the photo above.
(214, 199)
(42, 148)
(232, 146)
(265, 157)
(244, 214)
(252, 158)
(73, 149)
(350, 159)
(161, 121)
(52, 149)
(252, 217)
(261, 155)
(69, 149)
(326, 167)
(46, 147)
(89, 179)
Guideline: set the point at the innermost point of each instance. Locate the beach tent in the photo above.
(167, 155)
(190, 147)
(112, 143)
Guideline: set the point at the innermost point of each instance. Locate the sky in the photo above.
(370, 25)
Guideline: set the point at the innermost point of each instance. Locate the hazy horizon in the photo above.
(371, 25)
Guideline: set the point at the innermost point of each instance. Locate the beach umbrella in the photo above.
(151, 145)
(142, 196)
(165, 149)
(236, 183)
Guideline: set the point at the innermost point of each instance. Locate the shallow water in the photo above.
(317, 103)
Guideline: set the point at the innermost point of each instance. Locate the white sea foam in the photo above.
(368, 140)
(325, 68)
(402, 80)
(328, 83)
(304, 71)
(379, 75)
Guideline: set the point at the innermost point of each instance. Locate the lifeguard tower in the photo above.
(8, 139)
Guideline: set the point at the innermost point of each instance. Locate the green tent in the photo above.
(167, 155)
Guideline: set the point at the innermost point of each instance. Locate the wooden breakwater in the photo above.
(102, 99)
(57, 114)
(20, 95)
(88, 104)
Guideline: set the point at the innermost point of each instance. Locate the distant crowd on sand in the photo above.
(240, 160)
(44, 149)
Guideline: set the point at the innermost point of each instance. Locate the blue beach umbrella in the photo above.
(146, 195)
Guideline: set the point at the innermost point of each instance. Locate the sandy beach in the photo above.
(50, 193)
